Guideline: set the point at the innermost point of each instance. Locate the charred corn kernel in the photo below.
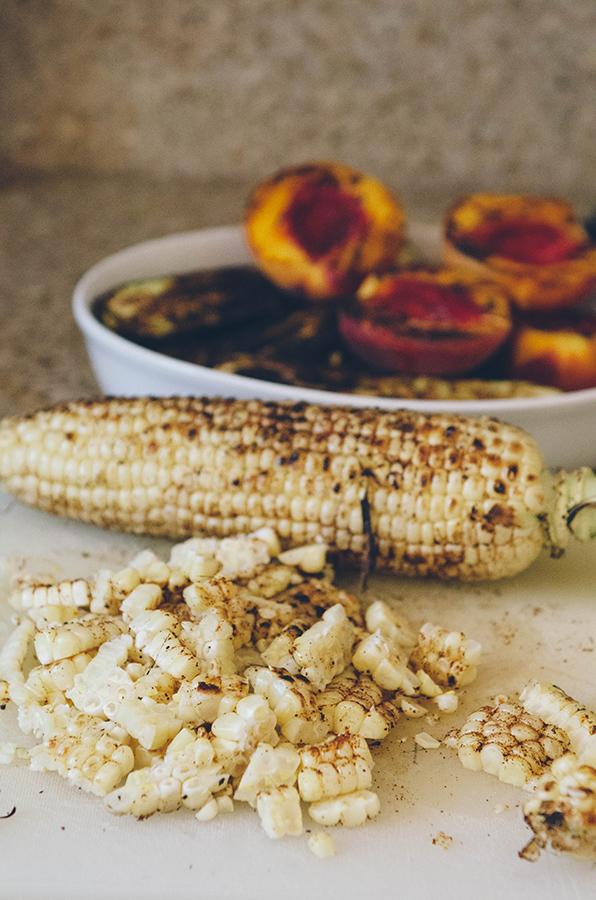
(326, 648)
(151, 723)
(111, 590)
(41, 688)
(562, 810)
(137, 796)
(558, 709)
(272, 581)
(349, 810)
(267, 534)
(103, 598)
(203, 700)
(354, 705)
(39, 719)
(339, 765)
(220, 804)
(320, 653)
(411, 709)
(9, 752)
(278, 650)
(507, 509)
(507, 741)
(157, 572)
(299, 607)
(124, 582)
(187, 775)
(155, 683)
(89, 752)
(211, 639)
(251, 723)
(205, 548)
(196, 568)
(446, 656)
(236, 557)
(310, 558)
(335, 747)
(151, 568)
(447, 702)
(48, 684)
(279, 811)
(52, 615)
(12, 659)
(103, 679)
(150, 622)
(142, 560)
(293, 703)
(60, 641)
(105, 689)
(14, 651)
(269, 768)
(426, 686)
(196, 559)
(379, 616)
(232, 604)
(378, 657)
(64, 593)
(170, 654)
(143, 596)
(156, 634)
(426, 741)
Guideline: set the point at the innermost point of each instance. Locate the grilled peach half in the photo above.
(557, 351)
(534, 246)
(426, 322)
(318, 229)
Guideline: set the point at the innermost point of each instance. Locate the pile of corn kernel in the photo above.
(233, 673)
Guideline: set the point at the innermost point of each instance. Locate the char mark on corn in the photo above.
(444, 495)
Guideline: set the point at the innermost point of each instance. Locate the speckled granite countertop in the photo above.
(51, 231)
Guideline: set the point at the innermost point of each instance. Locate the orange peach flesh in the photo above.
(319, 229)
(562, 359)
(521, 240)
(534, 246)
(425, 325)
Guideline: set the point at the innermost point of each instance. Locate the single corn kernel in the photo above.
(321, 844)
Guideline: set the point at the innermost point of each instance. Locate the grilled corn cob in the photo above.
(439, 494)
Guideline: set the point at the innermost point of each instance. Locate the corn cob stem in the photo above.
(438, 495)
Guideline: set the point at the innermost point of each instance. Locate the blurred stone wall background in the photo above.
(435, 97)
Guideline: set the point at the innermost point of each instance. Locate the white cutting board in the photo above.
(61, 843)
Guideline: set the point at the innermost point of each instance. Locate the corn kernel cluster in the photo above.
(562, 811)
(507, 741)
(234, 672)
(545, 743)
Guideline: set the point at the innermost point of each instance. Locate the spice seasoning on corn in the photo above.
(424, 495)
